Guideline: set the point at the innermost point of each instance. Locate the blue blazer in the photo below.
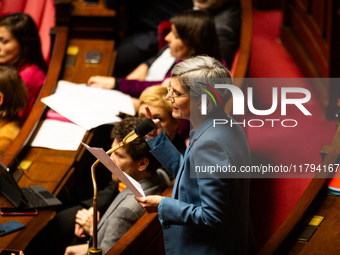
(206, 215)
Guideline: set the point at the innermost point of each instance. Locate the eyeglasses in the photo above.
(172, 96)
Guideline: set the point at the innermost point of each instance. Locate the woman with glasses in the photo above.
(208, 212)
(192, 33)
(155, 99)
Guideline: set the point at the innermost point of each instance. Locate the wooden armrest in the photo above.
(244, 51)
(245, 39)
(51, 80)
(285, 237)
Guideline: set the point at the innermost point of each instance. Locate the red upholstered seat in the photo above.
(43, 14)
(234, 64)
(163, 29)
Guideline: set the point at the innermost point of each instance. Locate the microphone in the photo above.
(141, 129)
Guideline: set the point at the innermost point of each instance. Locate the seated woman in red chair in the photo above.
(20, 46)
(192, 33)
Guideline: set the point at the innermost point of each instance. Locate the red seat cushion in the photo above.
(43, 14)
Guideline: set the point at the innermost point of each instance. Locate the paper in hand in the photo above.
(130, 183)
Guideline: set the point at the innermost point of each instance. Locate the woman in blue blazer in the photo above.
(208, 210)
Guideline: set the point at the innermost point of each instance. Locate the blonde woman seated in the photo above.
(154, 98)
(13, 98)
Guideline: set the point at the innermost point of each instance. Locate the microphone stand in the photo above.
(96, 250)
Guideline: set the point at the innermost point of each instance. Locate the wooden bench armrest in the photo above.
(286, 235)
(244, 52)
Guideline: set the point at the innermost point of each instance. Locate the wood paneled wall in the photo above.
(310, 32)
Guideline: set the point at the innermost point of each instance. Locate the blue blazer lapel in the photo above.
(179, 174)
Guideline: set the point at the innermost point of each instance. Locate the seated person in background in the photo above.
(13, 98)
(20, 46)
(154, 97)
(227, 16)
(139, 26)
(135, 160)
(192, 33)
(61, 228)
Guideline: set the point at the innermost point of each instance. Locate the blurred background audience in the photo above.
(139, 20)
(13, 98)
(187, 38)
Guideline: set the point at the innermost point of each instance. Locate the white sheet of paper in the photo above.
(87, 106)
(59, 135)
(130, 183)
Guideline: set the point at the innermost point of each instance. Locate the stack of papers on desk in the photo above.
(89, 107)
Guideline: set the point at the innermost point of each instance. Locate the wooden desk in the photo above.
(309, 33)
(325, 240)
(82, 71)
(53, 168)
(86, 21)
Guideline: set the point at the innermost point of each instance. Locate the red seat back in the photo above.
(43, 14)
(163, 29)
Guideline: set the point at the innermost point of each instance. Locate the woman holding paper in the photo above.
(208, 212)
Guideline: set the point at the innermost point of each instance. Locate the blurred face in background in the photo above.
(9, 47)
(208, 4)
(177, 48)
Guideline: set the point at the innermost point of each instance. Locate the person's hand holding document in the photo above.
(130, 183)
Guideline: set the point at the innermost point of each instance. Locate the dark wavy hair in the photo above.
(138, 148)
(197, 30)
(14, 91)
(23, 28)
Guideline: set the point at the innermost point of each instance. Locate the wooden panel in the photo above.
(19, 240)
(98, 10)
(245, 48)
(326, 238)
(310, 34)
(81, 72)
(86, 21)
(318, 13)
(268, 4)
